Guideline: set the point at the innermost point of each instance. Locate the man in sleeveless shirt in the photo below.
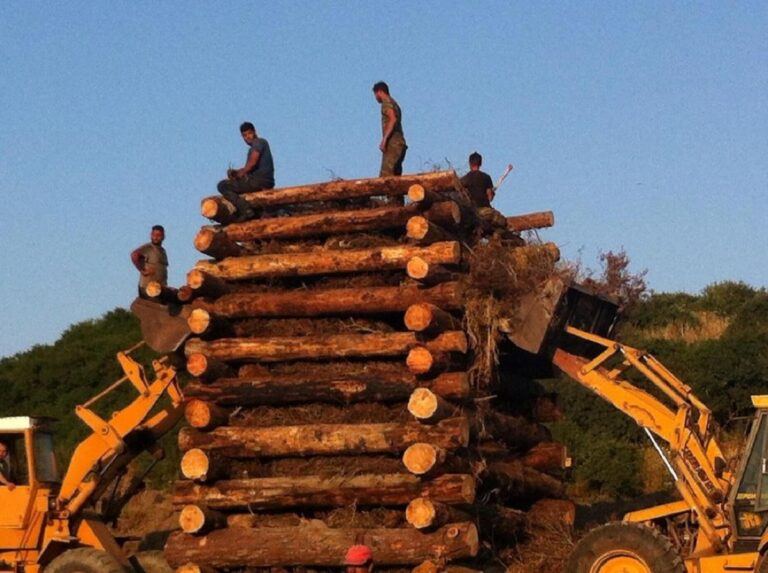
(392, 143)
(151, 261)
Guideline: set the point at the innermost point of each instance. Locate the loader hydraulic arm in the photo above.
(131, 430)
(682, 421)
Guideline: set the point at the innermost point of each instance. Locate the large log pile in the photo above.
(345, 366)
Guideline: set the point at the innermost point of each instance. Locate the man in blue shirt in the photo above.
(257, 174)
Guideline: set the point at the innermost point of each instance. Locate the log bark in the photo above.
(513, 481)
(199, 520)
(503, 523)
(316, 491)
(216, 244)
(423, 231)
(350, 189)
(426, 317)
(264, 520)
(206, 285)
(207, 369)
(423, 458)
(549, 512)
(427, 272)
(203, 415)
(324, 439)
(328, 261)
(441, 567)
(207, 325)
(428, 407)
(421, 361)
(367, 386)
(218, 209)
(538, 220)
(339, 301)
(200, 465)
(323, 347)
(547, 457)
(192, 568)
(417, 193)
(316, 545)
(425, 513)
(338, 222)
(515, 431)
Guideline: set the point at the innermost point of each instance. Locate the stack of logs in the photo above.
(332, 401)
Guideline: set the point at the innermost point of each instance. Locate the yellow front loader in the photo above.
(719, 523)
(45, 523)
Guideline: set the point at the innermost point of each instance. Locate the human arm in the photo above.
(6, 482)
(253, 160)
(139, 260)
(389, 126)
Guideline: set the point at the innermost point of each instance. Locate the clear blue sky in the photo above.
(643, 125)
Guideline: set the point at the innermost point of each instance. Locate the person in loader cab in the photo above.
(6, 475)
(151, 260)
(359, 559)
(257, 174)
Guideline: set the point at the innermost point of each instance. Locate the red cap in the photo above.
(358, 555)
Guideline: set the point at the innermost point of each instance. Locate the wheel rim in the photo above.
(620, 561)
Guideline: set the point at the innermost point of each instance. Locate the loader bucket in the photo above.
(163, 326)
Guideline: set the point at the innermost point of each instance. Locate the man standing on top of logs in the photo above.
(359, 559)
(478, 183)
(152, 261)
(392, 144)
(257, 174)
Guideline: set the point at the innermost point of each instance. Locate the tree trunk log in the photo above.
(417, 193)
(315, 491)
(426, 317)
(192, 568)
(199, 520)
(547, 457)
(323, 347)
(517, 432)
(327, 261)
(216, 244)
(428, 407)
(206, 285)
(207, 325)
(350, 189)
(324, 439)
(315, 545)
(528, 221)
(203, 415)
(339, 301)
(514, 481)
(203, 466)
(546, 410)
(338, 222)
(427, 272)
(423, 231)
(368, 386)
(421, 361)
(218, 209)
(207, 369)
(423, 458)
(440, 567)
(425, 513)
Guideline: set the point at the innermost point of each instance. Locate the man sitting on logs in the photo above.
(481, 190)
(257, 174)
(359, 559)
(152, 261)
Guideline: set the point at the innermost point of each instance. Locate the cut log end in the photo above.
(196, 520)
(199, 321)
(196, 465)
(421, 513)
(204, 415)
(426, 406)
(422, 458)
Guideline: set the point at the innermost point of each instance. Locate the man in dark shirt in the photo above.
(257, 174)
(478, 184)
(6, 475)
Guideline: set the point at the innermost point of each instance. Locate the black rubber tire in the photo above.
(84, 560)
(641, 549)
(762, 564)
(150, 562)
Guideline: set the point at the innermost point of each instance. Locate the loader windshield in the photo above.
(45, 461)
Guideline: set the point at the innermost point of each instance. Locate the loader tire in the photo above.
(84, 560)
(762, 564)
(150, 562)
(625, 547)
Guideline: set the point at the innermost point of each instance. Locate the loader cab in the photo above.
(31, 468)
(749, 495)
